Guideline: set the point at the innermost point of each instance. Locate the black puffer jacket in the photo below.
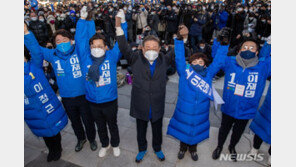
(66, 24)
(172, 22)
(40, 31)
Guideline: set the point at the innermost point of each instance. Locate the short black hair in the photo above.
(151, 38)
(249, 40)
(199, 55)
(97, 36)
(63, 33)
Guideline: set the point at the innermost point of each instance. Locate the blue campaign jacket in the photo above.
(190, 122)
(44, 113)
(106, 89)
(223, 17)
(261, 124)
(66, 66)
(252, 81)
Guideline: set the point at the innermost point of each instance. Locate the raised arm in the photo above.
(219, 61)
(35, 49)
(85, 29)
(180, 56)
(265, 51)
(123, 45)
(115, 50)
(215, 47)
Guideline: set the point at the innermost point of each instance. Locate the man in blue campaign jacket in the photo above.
(70, 79)
(190, 122)
(99, 67)
(261, 125)
(245, 78)
(44, 113)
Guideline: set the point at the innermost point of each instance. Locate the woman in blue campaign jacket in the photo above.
(44, 113)
(70, 80)
(261, 124)
(245, 78)
(190, 122)
(99, 67)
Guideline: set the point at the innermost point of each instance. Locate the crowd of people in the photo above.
(72, 52)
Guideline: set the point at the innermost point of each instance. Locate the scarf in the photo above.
(94, 70)
(245, 63)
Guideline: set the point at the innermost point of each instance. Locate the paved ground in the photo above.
(35, 150)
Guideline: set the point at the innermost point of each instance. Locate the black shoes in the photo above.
(54, 156)
(181, 154)
(194, 156)
(79, 145)
(50, 156)
(93, 145)
(57, 155)
(233, 153)
(216, 153)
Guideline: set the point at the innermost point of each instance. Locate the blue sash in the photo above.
(198, 83)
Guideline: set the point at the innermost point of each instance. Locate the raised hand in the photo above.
(121, 15)
(83, 12)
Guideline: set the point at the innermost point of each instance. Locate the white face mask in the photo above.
(124, 8)
(33, 18)
(42, 20)
(151, 55)
(97, 52)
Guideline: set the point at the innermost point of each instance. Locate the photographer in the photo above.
(172, 24)
(140, 16)
(198, 21)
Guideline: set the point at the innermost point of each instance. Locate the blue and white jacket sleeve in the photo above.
(215, 47)
(180, 57)
(115, 51)
(36, 50)
(219, 61)
(265, 51)
(84, 31)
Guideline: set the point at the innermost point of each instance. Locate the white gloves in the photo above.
(83, 12)
(121, 15)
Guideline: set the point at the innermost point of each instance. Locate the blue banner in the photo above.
(198, 83)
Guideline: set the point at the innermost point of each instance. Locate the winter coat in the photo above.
(223, 17)
(243, 88)
(147, 92)
(66, 66)
(196, 26)
(250, 25)
(40, 31)
(43, 112)
(141, 19)
(172, 22)
(261, 124)
(190, 122)
(106, 89)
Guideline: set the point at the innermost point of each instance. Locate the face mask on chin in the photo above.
(151, 55)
